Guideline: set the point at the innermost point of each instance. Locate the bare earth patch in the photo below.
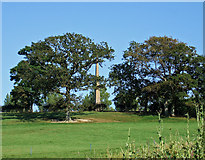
(73, 121)
(101, 120)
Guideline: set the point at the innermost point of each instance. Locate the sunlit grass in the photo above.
(59, 140)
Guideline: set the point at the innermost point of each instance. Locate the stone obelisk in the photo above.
(97, 91)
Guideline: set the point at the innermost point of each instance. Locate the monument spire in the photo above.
(97, 91)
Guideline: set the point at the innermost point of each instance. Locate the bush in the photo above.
(12, 108)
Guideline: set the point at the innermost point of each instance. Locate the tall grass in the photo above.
(175, 147)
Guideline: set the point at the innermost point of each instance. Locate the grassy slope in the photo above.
(73, 140)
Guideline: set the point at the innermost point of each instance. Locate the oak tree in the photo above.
(61, 64)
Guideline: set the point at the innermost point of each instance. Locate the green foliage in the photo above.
(53, 102)
(54, 98)
(126, 86)
(26, 91)
(8, 100)
(88, 103)
(58, 64)
(13, 103)
(23, 97)
(163, 72)
(105, 97)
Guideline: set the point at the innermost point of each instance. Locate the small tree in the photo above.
(8, 100)
(8, 104)
(88, 103)
(53, 102)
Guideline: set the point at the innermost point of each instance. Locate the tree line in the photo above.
(159, 74)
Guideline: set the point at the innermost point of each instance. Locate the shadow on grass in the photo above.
(59, 116)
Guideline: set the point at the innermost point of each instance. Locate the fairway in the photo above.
(42, 139)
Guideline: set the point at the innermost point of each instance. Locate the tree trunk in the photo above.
(166, 113)
(68, 118)
(163, 109)
(31, 108)
(145, 105)
(173, 111)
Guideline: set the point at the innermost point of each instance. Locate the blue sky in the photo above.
(117, 23)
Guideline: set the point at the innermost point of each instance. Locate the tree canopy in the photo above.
(162, 72)
(58, 64)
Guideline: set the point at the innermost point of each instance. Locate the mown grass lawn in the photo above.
(42, 139)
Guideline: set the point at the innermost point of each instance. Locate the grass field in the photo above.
(37, 138)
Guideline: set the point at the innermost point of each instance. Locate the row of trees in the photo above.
(54, 102)
(160, 73)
